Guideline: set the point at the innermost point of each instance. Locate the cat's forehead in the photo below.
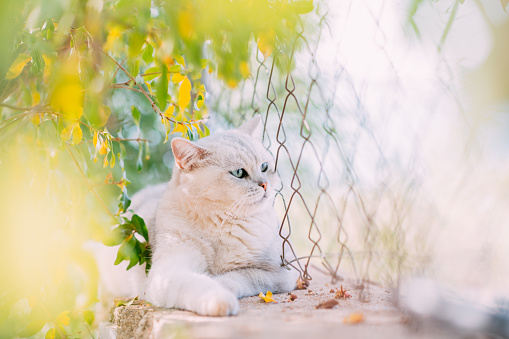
(234, 146)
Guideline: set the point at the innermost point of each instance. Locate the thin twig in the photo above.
(125, 87)
(17, 108)
(142, 90)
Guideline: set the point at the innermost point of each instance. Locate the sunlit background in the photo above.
(390, 135)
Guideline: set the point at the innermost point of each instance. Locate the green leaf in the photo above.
(32, 328)
(139, 162)
(139, 226)
(162, 88)
(136, 41)
(126, 250)
(136, 115)
(175, 69)
(152, 73)
(89, 317)
(148, 52)
(120, 302)
(125, 202)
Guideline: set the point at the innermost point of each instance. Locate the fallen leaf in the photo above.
(267, 297)
(328, 304)
(302, 284)
(332, 290)
(354, 318)
(293, 297)
(121, 302)
(341, 294)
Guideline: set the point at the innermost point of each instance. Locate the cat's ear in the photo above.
(253, 127)
(187, 153)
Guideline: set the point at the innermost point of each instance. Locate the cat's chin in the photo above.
(260, 201)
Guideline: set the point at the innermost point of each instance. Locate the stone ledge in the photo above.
(293, 319)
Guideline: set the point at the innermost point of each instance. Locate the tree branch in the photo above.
(142, 90)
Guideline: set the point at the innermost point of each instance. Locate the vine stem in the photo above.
(142, 90)
(17, 108)
(90, 186)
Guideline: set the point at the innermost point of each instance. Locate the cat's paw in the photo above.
(217, 302)
(288, 280)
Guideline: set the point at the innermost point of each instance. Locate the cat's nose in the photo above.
(263, 185)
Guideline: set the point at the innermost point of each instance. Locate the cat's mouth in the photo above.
(261, 199)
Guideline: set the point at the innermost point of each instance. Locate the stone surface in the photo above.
(286, 319)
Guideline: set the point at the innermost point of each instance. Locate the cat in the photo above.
(213, 228)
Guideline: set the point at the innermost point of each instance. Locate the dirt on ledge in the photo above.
(370, 312)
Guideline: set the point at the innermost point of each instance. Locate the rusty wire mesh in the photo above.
(345, 204)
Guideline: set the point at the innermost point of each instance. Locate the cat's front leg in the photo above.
(176, 280)
(251, 281)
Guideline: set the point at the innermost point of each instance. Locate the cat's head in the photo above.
(229, 169)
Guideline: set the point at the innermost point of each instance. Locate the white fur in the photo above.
(215, 237)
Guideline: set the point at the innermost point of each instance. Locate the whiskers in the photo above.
(232, 214)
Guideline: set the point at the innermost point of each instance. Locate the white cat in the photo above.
(213, 228)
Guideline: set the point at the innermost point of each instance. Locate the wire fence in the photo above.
(351, 130)
(315, 141)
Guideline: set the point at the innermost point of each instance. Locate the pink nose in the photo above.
(264, 185)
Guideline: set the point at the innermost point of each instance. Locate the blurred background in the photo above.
(388, 120)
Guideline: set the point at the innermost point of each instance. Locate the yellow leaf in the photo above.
(184, 94)
(108, 178)
(67, 97)
(112, 163)
(36, 119)
(17, 66)
(36, 97)
(94, 140)
(244, 69)
(177, 77)
(113, 35)
(185, 22)
(199, 103)
(63, 318)
(50, 334)
(67, 132)
(149, 88)
(232, 83)
(121, 184)
(354, 318)
(105, 161)
(267, 297)
(266, 42)
(104, 148)
(182, 128)
(169, 111)
(48, 66)
(77, 134)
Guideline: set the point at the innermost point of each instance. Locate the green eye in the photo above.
(239, 173)
(264, 167)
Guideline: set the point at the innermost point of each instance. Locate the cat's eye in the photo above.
(239, 173)
(264, 167)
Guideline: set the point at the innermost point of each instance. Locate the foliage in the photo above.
(89, 93)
